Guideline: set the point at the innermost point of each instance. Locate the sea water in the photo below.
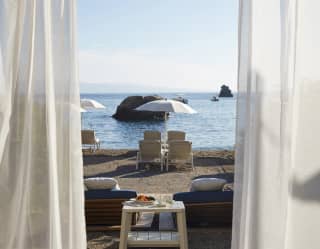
(211, 128)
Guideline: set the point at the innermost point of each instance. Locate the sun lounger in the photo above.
(179, 151)
(89, 138)
(150, 151)
(103, 207)
(176, 135)
(207, 207)
(152, 135)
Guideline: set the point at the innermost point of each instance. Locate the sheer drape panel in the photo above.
(277, 168)
(41, 189)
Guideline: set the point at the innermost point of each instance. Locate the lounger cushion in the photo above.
(109, 194)
(207, 184)
(204, 196)
(101, 183)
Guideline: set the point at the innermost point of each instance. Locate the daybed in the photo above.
(207, 207)
(104, 207)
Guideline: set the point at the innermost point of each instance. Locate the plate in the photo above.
(141, 202)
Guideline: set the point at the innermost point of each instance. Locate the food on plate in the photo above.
(145, 198)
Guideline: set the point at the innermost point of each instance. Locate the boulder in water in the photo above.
(126, 110)
(225, 92)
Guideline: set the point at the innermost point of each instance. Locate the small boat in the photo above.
(214, 98)
(181, 99)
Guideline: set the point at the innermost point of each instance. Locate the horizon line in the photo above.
(150, 92)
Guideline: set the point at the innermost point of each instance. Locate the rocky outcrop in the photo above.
(125, 111)
(225, 92)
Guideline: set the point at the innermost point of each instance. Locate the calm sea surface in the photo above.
(213, 127)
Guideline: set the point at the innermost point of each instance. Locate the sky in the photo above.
(164, 45)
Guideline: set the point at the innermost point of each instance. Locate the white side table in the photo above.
(154, 239)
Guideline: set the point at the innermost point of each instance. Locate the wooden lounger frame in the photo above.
(219, 213)
(104, 213)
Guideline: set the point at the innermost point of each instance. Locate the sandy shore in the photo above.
(120, 164)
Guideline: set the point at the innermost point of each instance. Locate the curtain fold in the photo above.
(41, 179)
(277, 171)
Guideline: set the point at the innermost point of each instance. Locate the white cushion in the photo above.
(207, 184)
(101, 183)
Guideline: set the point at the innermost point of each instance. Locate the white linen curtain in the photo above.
(277, 179)
(41, 186)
